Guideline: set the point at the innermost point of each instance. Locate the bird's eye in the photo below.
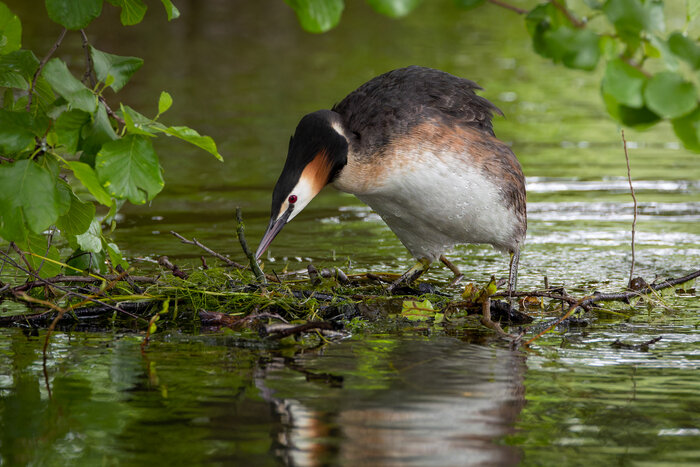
(292, 199)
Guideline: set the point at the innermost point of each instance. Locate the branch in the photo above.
(87, 77)
(508, 6)
(634, 199)
(41, 67)
(60, 279)
(110, 112)
(240, 230)
(213, 253)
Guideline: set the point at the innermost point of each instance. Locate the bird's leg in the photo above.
(455, 270)
(513, 273)
(412, 274)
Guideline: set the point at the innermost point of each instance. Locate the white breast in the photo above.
(432, 205)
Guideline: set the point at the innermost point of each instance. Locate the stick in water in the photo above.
(240, 230)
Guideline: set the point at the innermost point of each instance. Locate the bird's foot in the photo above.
(456, 280)
(409, 276)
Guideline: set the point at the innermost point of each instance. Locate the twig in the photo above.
(205, 266)
(135, 288)
(634, 199)
(110, 112)
(508, 6)
(240, 230)
(213, 253)
(88, 61)
(6, 159)
(41, 67)
(22, 255)
(177, 272)
(574, 20)
(60, 279)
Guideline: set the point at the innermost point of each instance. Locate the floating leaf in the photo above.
(133, 11)
(415, 310)
(129, 168)
(73, 14)
(394, 8)
(669, 95)
(119, 68)
(78, 96)
(170, 10)
(317, 16)
(10, 31)
(625, 83)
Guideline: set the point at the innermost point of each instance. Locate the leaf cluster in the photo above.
(64, 151)
(650, 72)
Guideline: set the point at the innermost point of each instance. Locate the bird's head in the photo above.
(317, 153)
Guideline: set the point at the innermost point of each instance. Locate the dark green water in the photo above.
(244, 73)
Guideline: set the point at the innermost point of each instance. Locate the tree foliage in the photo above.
(650, 72)
(63, 150)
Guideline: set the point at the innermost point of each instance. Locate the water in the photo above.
(244, 73)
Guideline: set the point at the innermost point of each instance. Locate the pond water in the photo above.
(244, 73)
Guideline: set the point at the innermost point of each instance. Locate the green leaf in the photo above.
(68, 127)
(669, 95)
(164, 102)
(16, 131)
(119, 68)
(78, 96)
(136, 123)
(639, 118)
(91, 239)
(624, 83)
(73, 14)
(575, 48)
(78, 218)
(88, 178)
(133, 11)
(88, 261)
(97, 133)
(317, 16)
(394, 8)
(415, 310)
(63, 192)
(685, 48)
(628, 16)
(191, 136)
(17, 69)
(31, 189)
(10, 31)
(115, 256)
(129, 168)
(468, 4)
(687, 129)
(171, 10)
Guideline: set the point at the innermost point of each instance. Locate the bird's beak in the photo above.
(272, 230)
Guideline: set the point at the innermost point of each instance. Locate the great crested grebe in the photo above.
(417, 145)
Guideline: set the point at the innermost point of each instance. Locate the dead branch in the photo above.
(41, 67)
(634, 199)
(211, 252)
(240, 230)
(85, 279)
(177, 272)
(279, 333)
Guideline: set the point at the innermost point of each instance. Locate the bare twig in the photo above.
(288, 331)
(634, 199)
(213, 253)
(62, 279)
(6, 159)
(22, 255)
(110, 112)
(177, 272)
(88, 76)
(205, 266)
(129, 279)
(508, 6)
(41, 67)
(240, 230)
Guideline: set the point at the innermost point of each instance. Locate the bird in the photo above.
(417, 145)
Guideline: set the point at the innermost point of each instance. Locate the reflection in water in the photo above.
(408, 402)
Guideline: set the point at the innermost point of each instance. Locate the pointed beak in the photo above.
(272, 230)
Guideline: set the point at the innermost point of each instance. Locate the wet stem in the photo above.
(634, 199)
